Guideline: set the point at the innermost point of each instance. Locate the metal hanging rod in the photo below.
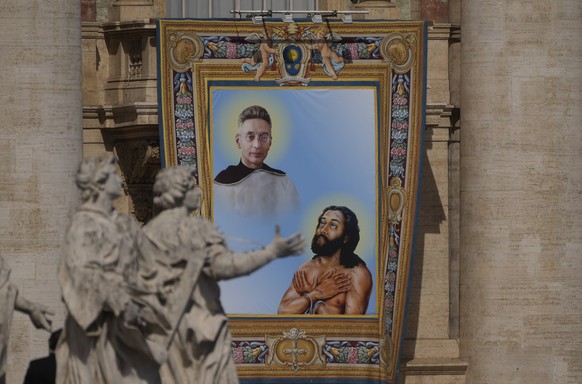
(271, 12)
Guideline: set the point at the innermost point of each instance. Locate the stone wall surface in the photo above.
(40, 105)
(521, 207)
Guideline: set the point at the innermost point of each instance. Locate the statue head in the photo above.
(175, 187)
(96, 176)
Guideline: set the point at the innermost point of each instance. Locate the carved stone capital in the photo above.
(139, 160)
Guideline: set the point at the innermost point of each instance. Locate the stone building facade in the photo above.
(496, 294)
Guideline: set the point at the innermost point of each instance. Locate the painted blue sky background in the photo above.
(325, 140)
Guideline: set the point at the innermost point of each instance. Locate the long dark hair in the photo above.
(352, 230)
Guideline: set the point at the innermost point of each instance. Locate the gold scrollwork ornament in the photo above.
(398, 50)
(184, 50)
(387, 354)
(396, 198)
(295, 349)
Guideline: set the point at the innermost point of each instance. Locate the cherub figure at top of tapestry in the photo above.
(332, 62)
(261, 59)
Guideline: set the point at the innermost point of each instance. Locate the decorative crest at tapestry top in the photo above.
(292, 52)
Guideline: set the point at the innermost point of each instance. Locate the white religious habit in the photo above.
(255, 192)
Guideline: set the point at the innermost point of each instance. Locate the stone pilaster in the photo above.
(431, 350)
(521, 207)
(120, 113)
(40, 105)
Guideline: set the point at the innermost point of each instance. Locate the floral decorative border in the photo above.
(400, 115)
(335, 352)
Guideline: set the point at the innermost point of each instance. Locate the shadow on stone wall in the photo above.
(430, 218)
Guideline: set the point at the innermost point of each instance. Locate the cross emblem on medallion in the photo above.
(295, 352)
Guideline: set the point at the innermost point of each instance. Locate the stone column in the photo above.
(521, 183)
(40, 105)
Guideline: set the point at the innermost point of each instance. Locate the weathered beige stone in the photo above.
(428, 308)
(433, 370)
(438, 90)
(520, 192)
(137, 9)
(40, 104)
(378, 10)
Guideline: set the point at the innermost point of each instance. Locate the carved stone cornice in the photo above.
(455, 33)
(131, 82)
(434, 366)
(132, 26)
(122, 10)
(439, 115)
(423, 357)
(127, 115)
(444, 31)
(120, 3)
(91, 30)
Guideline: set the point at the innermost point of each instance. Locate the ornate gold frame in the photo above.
(299, 348)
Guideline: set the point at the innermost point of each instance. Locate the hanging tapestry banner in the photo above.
(282, 121)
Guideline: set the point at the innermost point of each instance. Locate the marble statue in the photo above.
(113, 332)
(183, 258)
(9, 301)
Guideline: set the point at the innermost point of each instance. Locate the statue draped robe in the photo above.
(96, 275)
(187, 257)
(180, 251)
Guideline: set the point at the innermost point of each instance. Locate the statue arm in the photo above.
(226, 264)
(38, 313)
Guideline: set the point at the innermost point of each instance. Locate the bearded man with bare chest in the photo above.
(335, 280)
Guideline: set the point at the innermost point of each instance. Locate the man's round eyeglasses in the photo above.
(264, 138)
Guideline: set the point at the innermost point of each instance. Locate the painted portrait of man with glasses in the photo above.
(252, 187)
